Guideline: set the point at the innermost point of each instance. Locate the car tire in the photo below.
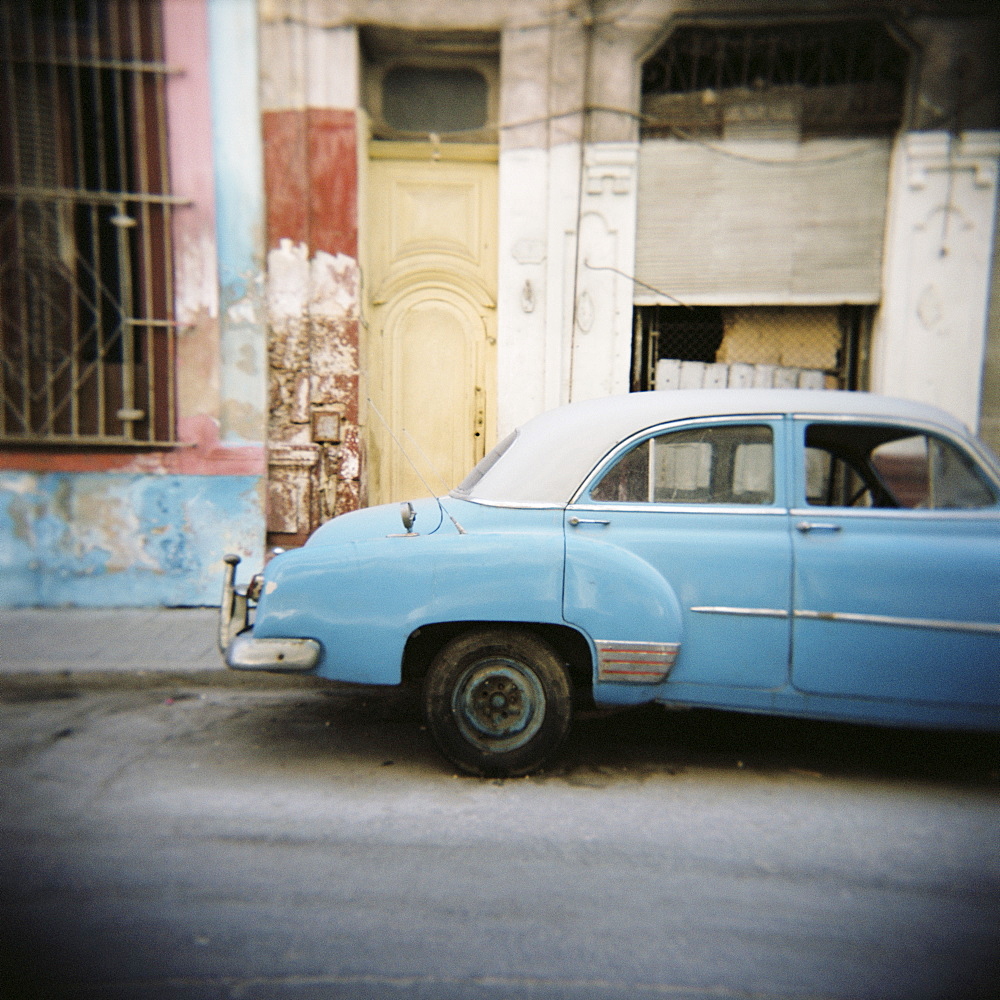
(498, 702)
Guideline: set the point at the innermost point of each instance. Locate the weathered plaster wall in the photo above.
(310, 94)
(570, 89)
(98, 539)
(119, 528)
(239, 200)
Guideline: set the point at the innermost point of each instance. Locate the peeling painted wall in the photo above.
(101, 540)
(310, 130)
(313, 317)
(134, 528)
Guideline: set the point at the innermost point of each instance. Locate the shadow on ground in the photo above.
(383, 727)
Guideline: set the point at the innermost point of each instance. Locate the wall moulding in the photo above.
(936, 152)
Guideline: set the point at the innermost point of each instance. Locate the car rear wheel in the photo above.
(498, 702)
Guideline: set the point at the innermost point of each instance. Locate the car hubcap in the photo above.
(498, 704)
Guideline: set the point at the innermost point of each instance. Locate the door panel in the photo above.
(701, 508)
(903, 587)
(431, 344)
(896, 601)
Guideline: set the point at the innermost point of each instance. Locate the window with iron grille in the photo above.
(86, 337)
(810, 79)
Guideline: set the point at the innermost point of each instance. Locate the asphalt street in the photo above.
(177, 833)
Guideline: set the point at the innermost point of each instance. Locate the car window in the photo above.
(706, 465)
(878, 466)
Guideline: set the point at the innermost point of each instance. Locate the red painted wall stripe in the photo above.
(311, 178)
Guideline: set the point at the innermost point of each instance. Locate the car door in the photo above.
(896, 535)
(691, 518)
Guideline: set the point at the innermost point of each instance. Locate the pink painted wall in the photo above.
(196, 287)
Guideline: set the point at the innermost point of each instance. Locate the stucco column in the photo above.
(601, 335)
(930, 333)
(569, 151)
(541, 127)
(310, 74)
(600, 351)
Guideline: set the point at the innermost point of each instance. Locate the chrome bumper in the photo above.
(234, 610)
(242, 651)
(278, 655)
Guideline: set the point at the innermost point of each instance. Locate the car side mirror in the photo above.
(408, 515)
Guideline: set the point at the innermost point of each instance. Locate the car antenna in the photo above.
(399, 445)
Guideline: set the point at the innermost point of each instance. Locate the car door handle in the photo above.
(586, 520)
(806, 526)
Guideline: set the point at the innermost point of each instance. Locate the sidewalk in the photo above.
(119, 640)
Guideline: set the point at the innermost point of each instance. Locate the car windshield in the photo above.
(467, 485)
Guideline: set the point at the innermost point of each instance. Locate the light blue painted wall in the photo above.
(116, 539)
(239, 207)
(109, 540)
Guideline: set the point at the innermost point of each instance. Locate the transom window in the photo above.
(423, 99)
(434, 84)
(705, 465)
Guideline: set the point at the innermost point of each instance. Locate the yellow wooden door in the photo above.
(431, 337)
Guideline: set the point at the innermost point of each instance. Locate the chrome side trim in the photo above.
(508, 504)
(978, 628)
(635, 662)
(278, 655)
(754, 612)
(655, 507)
(900, 513)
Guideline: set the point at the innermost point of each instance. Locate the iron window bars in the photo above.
(846, 77)
(87, 343)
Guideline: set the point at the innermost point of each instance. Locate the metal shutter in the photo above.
(761, 223)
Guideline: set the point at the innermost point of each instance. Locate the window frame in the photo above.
(966, 446)
(775, 422)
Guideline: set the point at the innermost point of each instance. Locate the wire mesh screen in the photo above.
(86, 339)
(681, 347)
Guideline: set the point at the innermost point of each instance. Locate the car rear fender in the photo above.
(630, 611)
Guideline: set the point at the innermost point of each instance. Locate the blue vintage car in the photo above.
(823, 555)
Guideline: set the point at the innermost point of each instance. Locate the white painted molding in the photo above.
(600, 345)
(936, 152)
(930, 331)
(611, 167)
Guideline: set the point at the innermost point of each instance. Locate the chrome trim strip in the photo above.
(510, 504)
(896, 513)
(653, 507)
(635, 662)
(978, 628)
(754, 612)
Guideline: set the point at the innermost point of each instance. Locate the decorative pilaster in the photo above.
(930, 333)
(601, 336)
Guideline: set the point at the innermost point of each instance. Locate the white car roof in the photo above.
(552, 454)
